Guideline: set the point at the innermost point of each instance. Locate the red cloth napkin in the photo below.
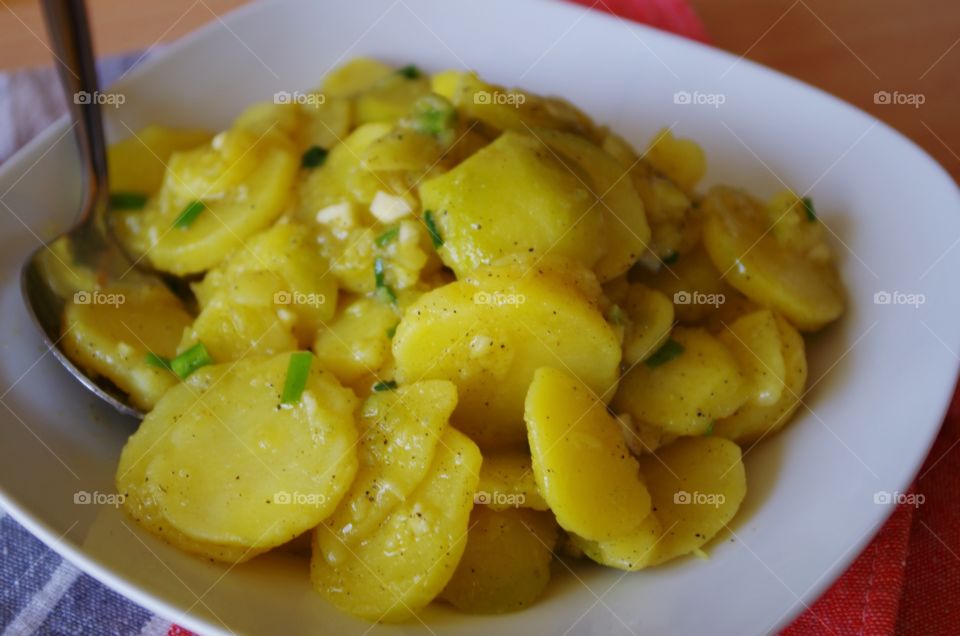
(899, 583)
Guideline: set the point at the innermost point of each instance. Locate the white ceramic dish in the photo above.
(885, 372)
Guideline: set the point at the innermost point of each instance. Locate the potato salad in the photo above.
(435, 335)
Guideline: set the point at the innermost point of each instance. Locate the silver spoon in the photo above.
(88, 240)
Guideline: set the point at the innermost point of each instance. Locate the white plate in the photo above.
(884, 374)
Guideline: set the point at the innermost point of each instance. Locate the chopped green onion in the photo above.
(314, 157)
(392, 331)
(670, 350)
(381, 386)
(379, 276)
(616, 315)
(434, 115)
(190, 360)
(709, 431)
(127, 200)
(410, 71)
(432, 228)
(189, 214)
(387, 236)
(671, 258)
(808, 206)
(298, 370)
(158, 361)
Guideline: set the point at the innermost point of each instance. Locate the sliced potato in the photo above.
(583, 468)
(772, 273)
(355, 76)
(682, 160)
(685, 394)
(137, 163)
(507, 481)
(109, 332)
(650, 315)
(279, 470)
(693, 284)
(633, 551)
(506, 565)
(538, 206)
(753, 421)
(488, 335)
(399, 431)
(356, 344)
(755, 341)
(395, 572)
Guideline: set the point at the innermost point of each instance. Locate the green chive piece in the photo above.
(433, 115)
(387, 236)
(410, 71)
(671, 349)
(298, 370)
(127, 200)
(808, 206)
(709, 431)
(671, 258)
(389, 385)
(189, 214)
(190, 360)
(432, 228)
(158, 361)
(392, 331)
(379, 272)
(387, 295)
(314, 157)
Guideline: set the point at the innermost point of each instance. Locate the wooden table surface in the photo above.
(851, 48)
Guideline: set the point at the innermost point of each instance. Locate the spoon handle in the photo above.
(70, 36)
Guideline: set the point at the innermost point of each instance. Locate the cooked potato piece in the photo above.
(682, 160)
(313, 119)
(697, 485)
(213, 199)
(674, 223)
(137, 163)
(109, 332)
(407, 561)
(685, 391)
(390, 98)
(625, 221)
(355, 76)
(650, 316)
(356, 345)
(583, 468)
(771, 272)
(507, 481)
(221, 469)
(538, 206)
(506, 565)
(399, 432)
(693, 284)
(753, 421)
(489, 333)
(306, 289)
(353, 258)
(755, 341)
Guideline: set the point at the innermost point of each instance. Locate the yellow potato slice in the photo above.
(353, 77)
(682, 160)
(399, 432)
(624, 218)
(390, 98)
(488, 335)
(752, 421)
(356, 344)
(772, 273)
(693, 284)
(137, 163)
(395, 572)
(755, 341)
(507, 481)
(506, 565)
(683, 395)
(650, 315)
(109, 332)
(539, 206)
(634, 551)
(582, 465)
(222, 469)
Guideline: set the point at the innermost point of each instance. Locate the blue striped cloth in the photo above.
(40, 592)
